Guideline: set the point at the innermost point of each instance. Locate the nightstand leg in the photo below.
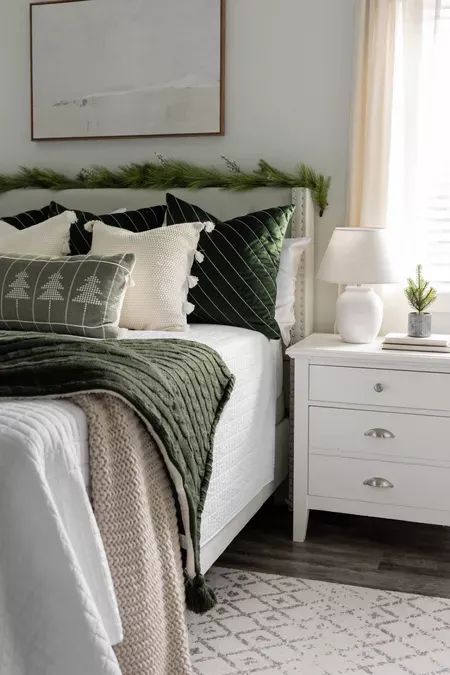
(301, 448)
(301, 517)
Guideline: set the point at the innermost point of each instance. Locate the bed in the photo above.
(242, 350)
(251, 448)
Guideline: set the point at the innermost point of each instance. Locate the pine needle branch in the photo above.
(167, 174)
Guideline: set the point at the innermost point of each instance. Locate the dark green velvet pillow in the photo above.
(237, 278)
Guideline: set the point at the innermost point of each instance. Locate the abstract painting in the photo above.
(121, 68)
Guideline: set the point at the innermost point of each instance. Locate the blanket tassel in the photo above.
(199, 596)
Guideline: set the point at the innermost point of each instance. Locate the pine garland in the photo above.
(167, 174)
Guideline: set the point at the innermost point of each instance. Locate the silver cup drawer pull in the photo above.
(378, 387)
(377, 432)
(378, 482)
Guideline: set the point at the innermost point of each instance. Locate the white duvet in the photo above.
(58, 612)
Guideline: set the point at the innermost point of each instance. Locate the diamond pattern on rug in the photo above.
(266, 624)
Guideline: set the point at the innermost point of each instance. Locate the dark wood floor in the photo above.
(373, 552)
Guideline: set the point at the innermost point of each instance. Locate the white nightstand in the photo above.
(371, 432)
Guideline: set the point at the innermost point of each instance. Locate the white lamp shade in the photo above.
(359, 255)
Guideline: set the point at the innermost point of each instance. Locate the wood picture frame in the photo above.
(48, 123)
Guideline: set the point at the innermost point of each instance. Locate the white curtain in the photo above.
(395, 141)
(372, 110)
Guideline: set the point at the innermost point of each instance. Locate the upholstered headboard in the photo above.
(223, 204)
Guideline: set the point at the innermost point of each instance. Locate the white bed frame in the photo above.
(224, 205)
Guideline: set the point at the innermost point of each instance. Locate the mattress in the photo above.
(244, 446)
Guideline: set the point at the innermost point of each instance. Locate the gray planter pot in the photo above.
(419, 325)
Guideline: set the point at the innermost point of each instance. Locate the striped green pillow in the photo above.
(78, 295)
(28, 218)
(141, 220)
(237, 280)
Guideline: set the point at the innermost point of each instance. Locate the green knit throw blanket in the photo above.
(178, 387)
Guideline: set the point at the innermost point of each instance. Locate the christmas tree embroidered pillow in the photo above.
(79, 295)
(237, 280)
(140, 220)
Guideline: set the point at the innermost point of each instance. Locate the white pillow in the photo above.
(50, 238)
(286, 283)
(164, 257)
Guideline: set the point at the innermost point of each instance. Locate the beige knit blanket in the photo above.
(135, 510)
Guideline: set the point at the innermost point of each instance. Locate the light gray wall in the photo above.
(289, 75)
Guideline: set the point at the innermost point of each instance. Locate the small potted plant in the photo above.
(420, 295)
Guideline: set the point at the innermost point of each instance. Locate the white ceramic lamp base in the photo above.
(359, 313)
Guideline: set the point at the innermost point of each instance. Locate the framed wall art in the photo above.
(127, 68)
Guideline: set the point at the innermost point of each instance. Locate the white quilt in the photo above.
(53, 563)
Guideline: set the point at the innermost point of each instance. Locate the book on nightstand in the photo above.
(402, 342)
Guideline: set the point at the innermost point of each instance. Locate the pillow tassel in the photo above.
(188, 307)
(199, 256)
(209, 227)
(71, 217)
(192, 281)
(89, 226)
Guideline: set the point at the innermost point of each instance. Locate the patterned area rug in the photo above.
(272, 625)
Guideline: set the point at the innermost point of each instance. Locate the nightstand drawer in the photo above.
(405, 484)
(373, 386)
(369, 433)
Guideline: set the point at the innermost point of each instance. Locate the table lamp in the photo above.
(355, 256)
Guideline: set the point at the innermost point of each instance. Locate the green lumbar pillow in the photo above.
(79, 295)
(236, 265)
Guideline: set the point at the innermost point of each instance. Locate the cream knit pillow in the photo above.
(49, 238)
(164, 257)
